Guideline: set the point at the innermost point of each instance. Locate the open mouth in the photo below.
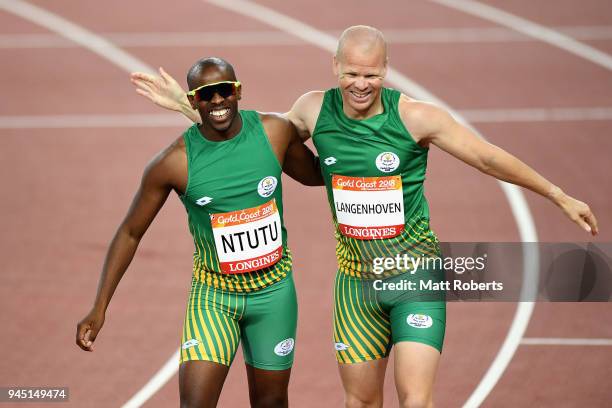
(360, 97)
(219, 114)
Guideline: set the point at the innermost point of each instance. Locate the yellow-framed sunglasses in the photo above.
(208, 91)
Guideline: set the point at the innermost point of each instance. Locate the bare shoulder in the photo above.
(275, 123)
(171, 153)
(308, 106)
(305, 112)
(168, 165)
(272, 117)
(422, 118)
(279, 129)
(310, 99)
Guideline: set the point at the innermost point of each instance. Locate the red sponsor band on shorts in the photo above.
(253, 264)
(388, 231)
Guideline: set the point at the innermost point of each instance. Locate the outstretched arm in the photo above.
(431, 124)
(150, 197)
(164, 91)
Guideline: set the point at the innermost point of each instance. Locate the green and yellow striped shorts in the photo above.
(368, 321)
(264, 320)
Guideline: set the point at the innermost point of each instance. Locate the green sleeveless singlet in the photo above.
(374, 173)
(235, 209)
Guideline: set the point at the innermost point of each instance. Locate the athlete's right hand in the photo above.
(162, 90)
(88, 329)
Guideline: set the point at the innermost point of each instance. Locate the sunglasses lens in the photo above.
(225, 90)
(208, 92)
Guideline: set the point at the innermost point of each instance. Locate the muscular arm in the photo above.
(430, 124)
(152, 194)
(305, 112)
(297, 160)
(301, 164)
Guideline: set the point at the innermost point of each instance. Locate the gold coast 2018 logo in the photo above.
(266, 186)
(387, 162)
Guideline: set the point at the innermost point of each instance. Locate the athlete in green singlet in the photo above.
(373, 143)
(227, 172)
(393, 133)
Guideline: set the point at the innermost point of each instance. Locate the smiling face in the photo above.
(361, 65)
(220, 113)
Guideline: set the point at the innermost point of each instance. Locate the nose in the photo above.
(361, 83)
(217, 98)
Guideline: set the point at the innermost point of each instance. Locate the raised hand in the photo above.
(162, 90)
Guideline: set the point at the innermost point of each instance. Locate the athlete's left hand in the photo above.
(578, 212)
(162, 90)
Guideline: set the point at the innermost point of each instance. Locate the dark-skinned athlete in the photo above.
(227, 173)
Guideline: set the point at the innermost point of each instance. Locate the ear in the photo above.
(384, 75)
(336, 66)
(239, 92)
(192, 102)
(384, 72)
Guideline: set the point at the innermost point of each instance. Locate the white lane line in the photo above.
(155, 383)
(172, 120)
(516, 199)
(74, 33)
(536, 115)
(91, 121)
(275, 38)
(559, 341)
(531, 29)
(123, 60)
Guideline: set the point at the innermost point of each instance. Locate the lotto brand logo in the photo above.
(330, 160)
(341, 346)
(284, 347)
(419, 321)
(266, 186)
(387, 162)
(190, 343)
(203, 201)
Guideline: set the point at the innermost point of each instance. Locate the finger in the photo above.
(93, 333)
(585, 226)
(88, 340)
(165, 76)
(80, 333)
(83, 338)
(142, 76)
(142, 84)
(592, 221)
(144, 93)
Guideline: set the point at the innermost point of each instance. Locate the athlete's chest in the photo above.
(220, 183)
(363, 158)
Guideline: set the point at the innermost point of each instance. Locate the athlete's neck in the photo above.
(210, 133)
(375, 109)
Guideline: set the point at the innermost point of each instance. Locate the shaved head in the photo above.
(361, 38)
(205, 65)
